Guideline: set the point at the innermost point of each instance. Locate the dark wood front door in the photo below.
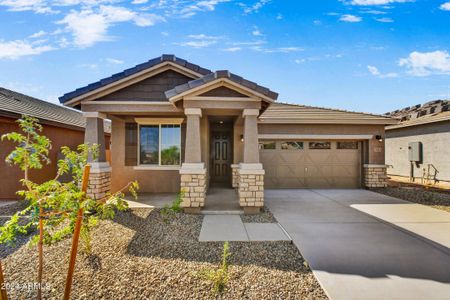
(221, 152)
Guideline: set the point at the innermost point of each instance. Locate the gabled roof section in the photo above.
(15, 104)
(164, 59)
(178, 92)
(282, 113)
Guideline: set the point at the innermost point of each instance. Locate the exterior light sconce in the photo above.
(220, 122)
(242, 137)
(379, 138)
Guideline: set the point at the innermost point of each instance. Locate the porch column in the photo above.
(251, 152)
(251, 172)
(100, 175)
(193, 171)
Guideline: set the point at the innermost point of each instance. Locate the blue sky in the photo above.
(361, 55)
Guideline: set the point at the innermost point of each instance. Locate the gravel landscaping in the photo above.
(418, 195)
(264, 217)
(140, 255)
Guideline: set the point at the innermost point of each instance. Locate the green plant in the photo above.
(219, 277)
(175, 207)
(53, 205)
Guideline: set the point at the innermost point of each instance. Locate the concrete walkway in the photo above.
(364, 245)
(221, 228)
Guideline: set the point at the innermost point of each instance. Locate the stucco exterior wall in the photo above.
(10, 175)
(150, 181)
(435, 138)
(376, 148)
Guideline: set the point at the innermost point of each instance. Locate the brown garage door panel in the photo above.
(311, 168)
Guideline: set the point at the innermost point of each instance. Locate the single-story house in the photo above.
(62, 125)
(177, 126)
(424, 130)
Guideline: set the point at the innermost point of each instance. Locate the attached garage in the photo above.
(311, 164)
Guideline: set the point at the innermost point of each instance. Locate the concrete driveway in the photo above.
(364, 245)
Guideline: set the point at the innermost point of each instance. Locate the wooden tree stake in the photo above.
(3, 295)
(76, 235)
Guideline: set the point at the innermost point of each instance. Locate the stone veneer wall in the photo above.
(375, 176)
(193, 187)
(99, 184)
(251, 190)
(235, 176)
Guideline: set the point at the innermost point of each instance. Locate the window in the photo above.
(269, 145)
(319, 145)
(160, 145)
(347, 145)
(291, 145)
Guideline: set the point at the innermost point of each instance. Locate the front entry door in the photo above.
(221, 157)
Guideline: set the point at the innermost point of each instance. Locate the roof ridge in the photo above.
(335, 109)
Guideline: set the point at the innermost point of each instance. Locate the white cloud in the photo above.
(427, 63)
(192, 9)
(232, 49)
(204, 37)
(114, 61)
(257, 32)
(38, 6)
(139, 1)
(276, 50)
(279, 17)
(350, 18)
(299, 61)
(317, 22)
(86, 27)
(19, 48)
(255, 7)
(38, 34)
(445, 6)
(374, 12)
(375, 72)
(385, 20)
(197, 44)
(377, 2)
(89, 26)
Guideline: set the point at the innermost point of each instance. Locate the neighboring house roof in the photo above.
(131, 71)
(430, 112)
(218, 75)
(16, 104)
(283, 113)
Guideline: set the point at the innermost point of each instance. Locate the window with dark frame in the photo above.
(160, 145)
(291, 145)
(320, 145)
(267, 145)
(347, 145)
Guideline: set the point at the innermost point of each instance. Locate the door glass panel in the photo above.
(170, 145)
(319, 145)
(149, 144)
(291, 145)
(347, 145)
(267, 145)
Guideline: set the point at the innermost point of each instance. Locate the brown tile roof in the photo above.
(14, 103)
(221, 74)
(283, 113)
(430, 112)
(427, 119)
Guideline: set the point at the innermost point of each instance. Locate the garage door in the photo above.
(311, 164)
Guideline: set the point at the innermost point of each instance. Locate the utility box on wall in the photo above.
(415, 152)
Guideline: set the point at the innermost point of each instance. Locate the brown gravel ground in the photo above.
(418, 195)
(264, 217)
(141, 256)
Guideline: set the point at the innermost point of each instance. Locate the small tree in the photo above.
(54, 205)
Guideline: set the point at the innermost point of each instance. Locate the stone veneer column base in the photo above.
(235, 175)
(99, 181)
(375, 176)
(251, 187)
(193, 187)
